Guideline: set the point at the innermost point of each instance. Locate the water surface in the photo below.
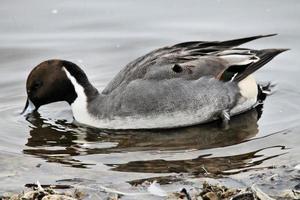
(103, 36)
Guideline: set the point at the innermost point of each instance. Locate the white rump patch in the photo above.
(248, 87)
(249, 92)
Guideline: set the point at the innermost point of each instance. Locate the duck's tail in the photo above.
(243, 62)
(240, 41)
(264, 56)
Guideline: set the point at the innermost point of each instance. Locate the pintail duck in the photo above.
(181, 85)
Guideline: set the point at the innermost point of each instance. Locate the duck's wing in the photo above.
(192, 60)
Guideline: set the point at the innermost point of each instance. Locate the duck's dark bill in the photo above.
(29, 107)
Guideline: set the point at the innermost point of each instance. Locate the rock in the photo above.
(57, 197)
(244, 196)
(229, 193)
(7, 196)
(212, 192)
(78, 194)
(32, 195)
(210, 196)
(291, 194)
(259, 193)
(175, 196)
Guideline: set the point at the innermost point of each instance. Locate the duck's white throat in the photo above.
(79, 106)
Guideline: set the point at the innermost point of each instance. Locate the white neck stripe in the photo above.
(79, 106)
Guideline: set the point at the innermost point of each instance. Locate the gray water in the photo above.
(103, 36)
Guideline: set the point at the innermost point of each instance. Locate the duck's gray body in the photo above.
(185, 84)
(163, 104)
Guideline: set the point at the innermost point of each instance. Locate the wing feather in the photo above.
(200, 58)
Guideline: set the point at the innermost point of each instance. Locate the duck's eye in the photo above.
(36, 85)
(177, 68)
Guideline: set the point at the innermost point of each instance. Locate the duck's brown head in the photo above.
(48, 82)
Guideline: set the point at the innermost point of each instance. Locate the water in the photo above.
(102, 37)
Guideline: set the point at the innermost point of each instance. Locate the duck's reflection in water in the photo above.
(204, 164)
(61, 142)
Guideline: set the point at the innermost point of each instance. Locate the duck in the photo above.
(181, 85)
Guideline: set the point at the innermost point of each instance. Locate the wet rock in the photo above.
(175, 195)
(211, 192)
(33, 195)
(37, 192)
(210, 196)
(192, 194)
(7, 196)
(259, 193)
(79, 194)
(244, 196)
(229, 193)
(57, 197)
(15, 197)
(291, 194)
